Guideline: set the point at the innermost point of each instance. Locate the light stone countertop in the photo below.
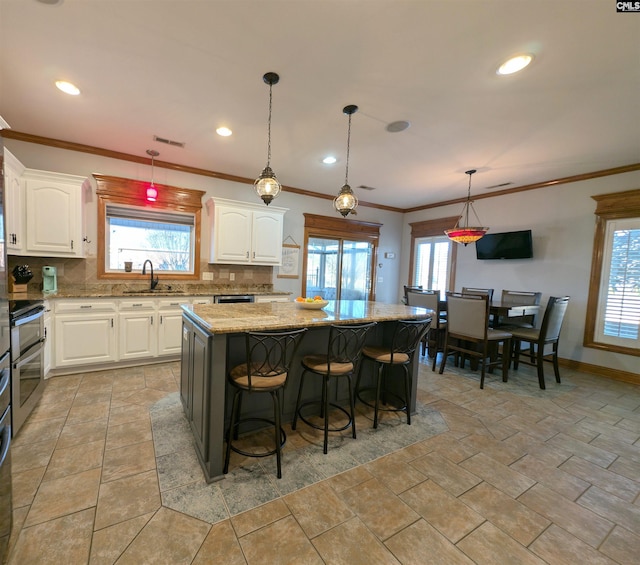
(127, 291)
(233, 318)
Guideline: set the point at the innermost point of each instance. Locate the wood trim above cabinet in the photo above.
(133, 193)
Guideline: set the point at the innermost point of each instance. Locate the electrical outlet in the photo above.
(207, 276)
(232, 276)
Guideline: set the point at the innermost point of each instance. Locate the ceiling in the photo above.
(178, 69)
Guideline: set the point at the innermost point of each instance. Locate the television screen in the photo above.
(507, 245)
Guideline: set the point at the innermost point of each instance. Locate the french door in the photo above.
(338, 269)
(339, 262)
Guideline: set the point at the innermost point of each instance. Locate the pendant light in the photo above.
(152, 191)
(346, 201)
(466, 234)
(267, 185)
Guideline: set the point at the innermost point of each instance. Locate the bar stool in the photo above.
(341, 360)
(266, 369)
(406, 338)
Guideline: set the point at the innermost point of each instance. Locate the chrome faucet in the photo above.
(154, 282)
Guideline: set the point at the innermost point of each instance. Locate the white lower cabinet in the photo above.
(48, 335)
(100, 331)
(137, 333)
(170, 326)
(85, 333)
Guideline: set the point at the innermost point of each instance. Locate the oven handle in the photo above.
(22, 361)
(6, 441)
(29, 316)
(4, 380)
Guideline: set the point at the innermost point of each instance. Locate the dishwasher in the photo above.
(232, 298)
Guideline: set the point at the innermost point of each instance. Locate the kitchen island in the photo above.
(213, 342)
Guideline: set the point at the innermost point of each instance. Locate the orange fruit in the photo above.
(299, 299)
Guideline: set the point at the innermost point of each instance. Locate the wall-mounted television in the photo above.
(506, 245)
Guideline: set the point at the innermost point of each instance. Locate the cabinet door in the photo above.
(231, 235)
(137, 334)
(48, 346)
(200, 391)
(53, 217)
(169, 332)
(266, 241)
(14, 204)
(84, 339)
(185, 367)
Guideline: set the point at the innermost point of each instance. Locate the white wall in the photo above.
(52, 159)
(562, 221)
(561, 218)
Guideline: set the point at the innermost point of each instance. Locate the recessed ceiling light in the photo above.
(67, 87)
(329, 160)
(400, 125)
(514, 64)
(224, 132)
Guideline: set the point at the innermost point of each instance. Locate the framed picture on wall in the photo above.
(290, 261)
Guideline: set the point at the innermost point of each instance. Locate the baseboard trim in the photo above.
(607, 372)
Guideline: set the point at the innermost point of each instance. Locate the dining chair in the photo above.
(468, 334)
(519, 298)
(408, 289)
(340, 361)
(265, 370)
(547, 334)
(433, 341)
(398, 352)
(481, 291)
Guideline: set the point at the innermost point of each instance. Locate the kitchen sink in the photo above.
(154, 291)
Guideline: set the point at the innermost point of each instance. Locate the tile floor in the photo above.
(104, 472)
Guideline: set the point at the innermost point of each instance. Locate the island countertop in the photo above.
(234, 318)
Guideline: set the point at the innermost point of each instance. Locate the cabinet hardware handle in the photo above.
(72, 244)
(254, 254)
(161, 319)
(85, 306)
(247, 254)
(137, 305)
(111, 322)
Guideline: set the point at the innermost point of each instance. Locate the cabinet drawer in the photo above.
(173, 303)
(68, 306)
(132, 304)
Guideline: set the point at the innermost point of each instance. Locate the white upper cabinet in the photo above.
(243, 233)
(14, 203)
(54, 214)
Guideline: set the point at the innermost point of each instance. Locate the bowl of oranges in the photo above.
(315, 303)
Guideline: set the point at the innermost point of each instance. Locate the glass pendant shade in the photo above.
(152, 191)
(267, 185)
(465, 233)
(346, 201)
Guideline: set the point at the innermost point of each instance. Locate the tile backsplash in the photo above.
(74, 273)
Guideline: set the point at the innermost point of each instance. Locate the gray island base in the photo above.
(213, 342)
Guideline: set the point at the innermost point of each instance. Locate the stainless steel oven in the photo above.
(27, 358)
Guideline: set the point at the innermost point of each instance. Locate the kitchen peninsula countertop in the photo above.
(233, 318)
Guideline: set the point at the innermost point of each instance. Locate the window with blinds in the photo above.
(432, 263)
(134, 235)
(618, 317)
